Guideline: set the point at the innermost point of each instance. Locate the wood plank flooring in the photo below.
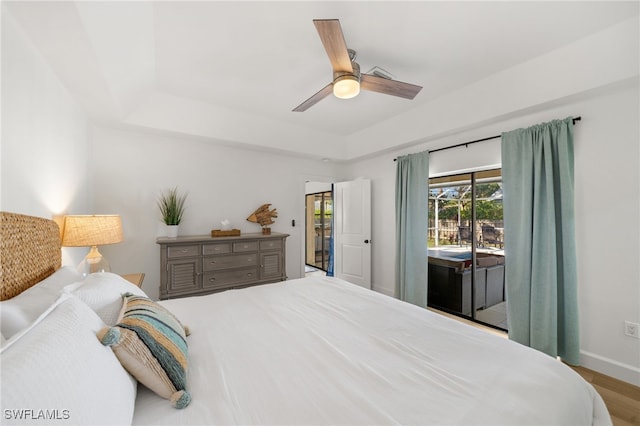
(621, 398)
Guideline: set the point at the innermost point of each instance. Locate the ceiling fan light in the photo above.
(346, 86)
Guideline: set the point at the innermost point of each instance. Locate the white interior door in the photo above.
(352, 238)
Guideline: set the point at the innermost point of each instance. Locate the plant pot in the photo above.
(266, 231)
(172, 231)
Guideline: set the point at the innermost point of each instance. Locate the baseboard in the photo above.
(626, 373)
(386, 291)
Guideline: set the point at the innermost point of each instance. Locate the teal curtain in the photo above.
(412, 191)
(541, 287)
(330, 268)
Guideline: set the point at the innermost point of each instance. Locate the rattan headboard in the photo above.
(29, 252)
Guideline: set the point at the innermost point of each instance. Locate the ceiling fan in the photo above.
(347, 79)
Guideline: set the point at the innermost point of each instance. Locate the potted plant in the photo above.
(171, 205)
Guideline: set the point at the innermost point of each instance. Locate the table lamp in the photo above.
(92, 231)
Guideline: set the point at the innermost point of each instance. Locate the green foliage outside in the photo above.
(448, 204)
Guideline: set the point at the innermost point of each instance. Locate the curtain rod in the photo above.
(466, 144)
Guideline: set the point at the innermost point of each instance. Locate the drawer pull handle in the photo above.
(212, 279)
(213, 262)
(249, 274)
(184, 250)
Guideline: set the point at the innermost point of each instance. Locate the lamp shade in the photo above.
(91, 230)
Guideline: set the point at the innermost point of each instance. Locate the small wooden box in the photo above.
(229, 233)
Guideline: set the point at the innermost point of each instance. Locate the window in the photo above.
(466, 224)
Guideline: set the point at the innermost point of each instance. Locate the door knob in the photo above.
(366, 241)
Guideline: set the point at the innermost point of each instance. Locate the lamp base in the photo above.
(93, 262)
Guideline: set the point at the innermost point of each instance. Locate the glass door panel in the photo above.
(465, 223)
(491, 304)
(318, 229)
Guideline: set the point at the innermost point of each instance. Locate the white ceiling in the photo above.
(261, 59)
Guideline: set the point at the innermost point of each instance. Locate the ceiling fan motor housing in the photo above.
(354, 73)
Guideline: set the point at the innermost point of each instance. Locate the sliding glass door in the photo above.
(466, 252)
(319, 220)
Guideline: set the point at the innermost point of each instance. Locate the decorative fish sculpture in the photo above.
(263, 216)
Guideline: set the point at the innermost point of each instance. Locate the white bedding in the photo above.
(322, 351)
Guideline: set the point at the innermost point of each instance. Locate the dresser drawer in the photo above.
(220, 248)
(240, 247)
(230, 261)
(227, 279)
(174, 252)
(271, 245)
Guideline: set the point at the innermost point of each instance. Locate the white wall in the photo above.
(607, 184)
(131, 168)
(316, 187)
(44, 137)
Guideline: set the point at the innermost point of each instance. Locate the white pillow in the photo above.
(61, 278)
(21, 311)
(58, 372)
(103, 291)
(8, 342)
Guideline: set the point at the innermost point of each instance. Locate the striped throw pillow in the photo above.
(151, 344)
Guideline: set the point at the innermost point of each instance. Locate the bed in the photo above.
(307, 351)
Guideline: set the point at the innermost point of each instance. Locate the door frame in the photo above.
(301, 213)
(306, 224)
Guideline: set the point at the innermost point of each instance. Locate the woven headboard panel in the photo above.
(29, 252)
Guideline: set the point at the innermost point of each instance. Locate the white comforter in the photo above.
(322, 351)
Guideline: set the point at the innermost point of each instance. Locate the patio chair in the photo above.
(491, 236)
(464, 235)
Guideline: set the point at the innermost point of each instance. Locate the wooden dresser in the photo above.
(199, 264)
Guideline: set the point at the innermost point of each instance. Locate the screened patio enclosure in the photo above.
(450, 212)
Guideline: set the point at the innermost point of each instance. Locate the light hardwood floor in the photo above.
(621, 398)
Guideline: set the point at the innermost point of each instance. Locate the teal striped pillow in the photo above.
(151, 344)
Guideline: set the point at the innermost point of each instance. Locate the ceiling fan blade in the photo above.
(332, 38)
(322, 93)
(389, 87)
